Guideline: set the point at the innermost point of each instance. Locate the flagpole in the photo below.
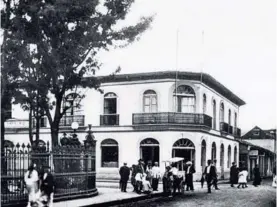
(202, 64)
(176, 68)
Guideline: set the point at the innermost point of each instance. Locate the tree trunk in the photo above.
(55, 134)
(30, 126)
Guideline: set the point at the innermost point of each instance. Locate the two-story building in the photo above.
(156, 116)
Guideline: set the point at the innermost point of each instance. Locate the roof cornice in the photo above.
(205, 79)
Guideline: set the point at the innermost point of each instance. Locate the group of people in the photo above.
(239, 175)
(40, 186)
(144, 179)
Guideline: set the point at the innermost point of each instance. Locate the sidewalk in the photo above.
(107, 197)
(113, 196)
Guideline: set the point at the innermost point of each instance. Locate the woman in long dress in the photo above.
(32, 184)
(257, 176)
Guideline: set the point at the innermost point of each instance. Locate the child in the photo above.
(243, 178)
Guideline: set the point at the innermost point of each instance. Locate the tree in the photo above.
(60, 40)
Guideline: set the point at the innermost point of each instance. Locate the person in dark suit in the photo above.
(257, 176)
(124, 177)
(210, 174)
(189, 170)
(234, 174)
(215, 179)
(47, 185)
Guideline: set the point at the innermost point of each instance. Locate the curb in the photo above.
(126, 200)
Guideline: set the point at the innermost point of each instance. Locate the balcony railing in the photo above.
(224, 127)
(68, 120)
(237, 132)
(109, 120)
(172, 118)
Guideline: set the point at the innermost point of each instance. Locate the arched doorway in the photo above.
(222, 161)
(150, 150)
(235, 154)
(184, 148)
(213, 157)
(203, 155)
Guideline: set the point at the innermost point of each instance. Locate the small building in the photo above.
(262, 138)
(250, 155)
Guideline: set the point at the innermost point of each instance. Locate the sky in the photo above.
(233, 41)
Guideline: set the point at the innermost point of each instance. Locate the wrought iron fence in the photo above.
(73, 168)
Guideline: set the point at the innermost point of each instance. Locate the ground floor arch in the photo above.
(150, 150)
(184, 148)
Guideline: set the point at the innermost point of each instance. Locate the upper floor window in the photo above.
(214, 114)
(204, 103)
(185, 99)
(235, 120)
(110, 103)
(72, 104)
(221, 113)
(229, 117)
(150, 101)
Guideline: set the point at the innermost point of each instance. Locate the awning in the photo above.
(174, 159)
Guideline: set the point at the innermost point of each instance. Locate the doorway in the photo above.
(150, 150)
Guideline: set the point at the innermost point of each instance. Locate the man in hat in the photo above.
(47, 185)
(156, 175)
(215, 179)
(210, 174)
(189, 175)
(124, 176)
(234, 174)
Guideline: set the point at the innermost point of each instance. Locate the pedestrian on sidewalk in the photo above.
(167, 181)
(243, 178)
(215, 179)
(189, 175)
(133, 175)
(31, 180)
(47, 187)
(156, 175)
(149, 172)
(257, 176)
(124, 176)
(210, 174)
(234, 174)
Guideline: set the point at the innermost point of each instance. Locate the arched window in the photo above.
(150, 150)
(150, 101)
(184, 148)
(229, 157)
(203, 154)
(213, 157)
(204, 103)
(235, 154)
(110, 116)
(109, 155)
(72, 104)
(229, 117)
(185, 97)
(221, 113)
(214, 114)
(110, 103)
(235, 121)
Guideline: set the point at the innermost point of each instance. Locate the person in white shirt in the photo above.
(156, 175)
(146, 186)
(243, 178)
(32, 184)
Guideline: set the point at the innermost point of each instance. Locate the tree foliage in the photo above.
(53, 44)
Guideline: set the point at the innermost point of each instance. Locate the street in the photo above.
(264, 196)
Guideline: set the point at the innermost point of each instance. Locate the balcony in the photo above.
(68, 120)
(172, 118)
(227, 129)
(237, 132)
(109, 120)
